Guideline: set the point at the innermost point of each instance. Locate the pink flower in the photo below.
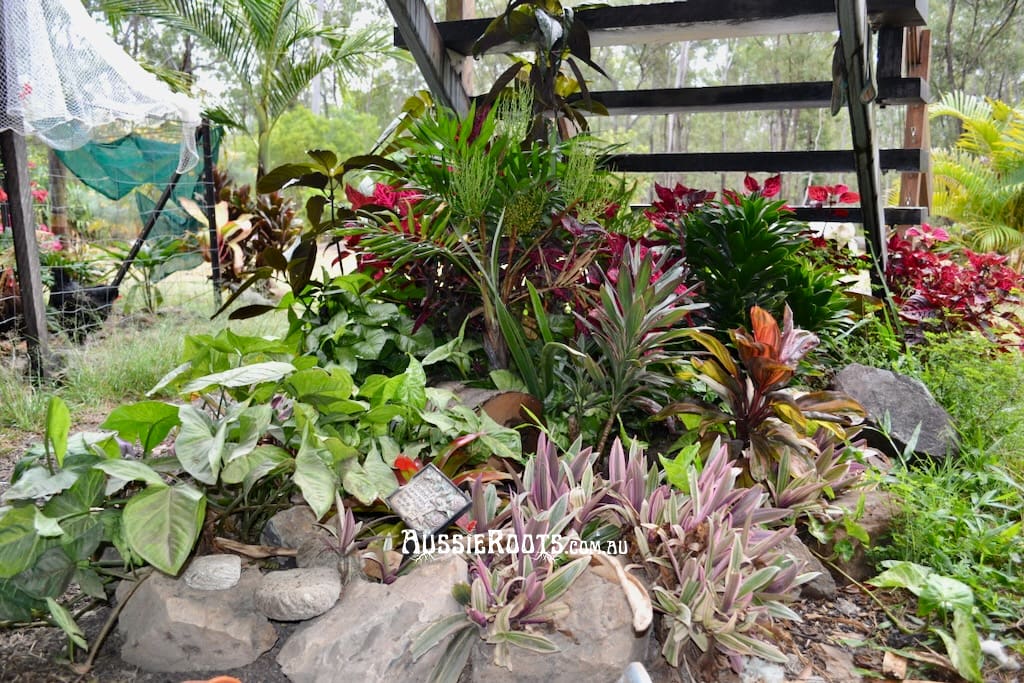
(929, 235)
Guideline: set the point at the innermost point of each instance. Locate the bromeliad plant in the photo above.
(771, 430)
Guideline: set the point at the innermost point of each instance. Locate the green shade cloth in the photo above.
(116, 168)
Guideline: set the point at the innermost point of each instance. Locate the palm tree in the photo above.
(979, 184)
(273, 48)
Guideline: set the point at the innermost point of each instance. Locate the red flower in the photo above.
(772, 186)
(406, 467)
(3, 195)
(817, 193)
(831, 195)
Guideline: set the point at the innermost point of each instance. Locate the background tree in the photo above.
(272, 49)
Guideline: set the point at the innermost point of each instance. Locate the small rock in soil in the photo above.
(213, 572)
(298, 594)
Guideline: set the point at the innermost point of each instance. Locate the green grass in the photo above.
(117, 365)
(963, 516)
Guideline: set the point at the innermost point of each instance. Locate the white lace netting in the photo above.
(65, 80)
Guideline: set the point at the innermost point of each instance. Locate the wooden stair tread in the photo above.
(699, 20)
(825, 161)
(808, 95)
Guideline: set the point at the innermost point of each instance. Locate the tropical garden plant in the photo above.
(272, 48)
(979, 183)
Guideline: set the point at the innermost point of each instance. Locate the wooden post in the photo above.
(420, 33)
(26, 249)
(916, 188)
(210, 199)
(853, 41)
(456, 10)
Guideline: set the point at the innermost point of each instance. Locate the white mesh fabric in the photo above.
(64, 79)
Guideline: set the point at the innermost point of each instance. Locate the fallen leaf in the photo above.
(894, 665)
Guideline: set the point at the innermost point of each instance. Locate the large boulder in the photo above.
(366, 636)
(168, 626)
(899, 404)
(596, 640)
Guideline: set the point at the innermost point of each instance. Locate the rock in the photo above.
(298, 594)
(168, 626)
(902, 403)
(291, 528)
(879, 509)
(213, 572)
(596, 640)
(367, 634)
(838, 663)
(822, 587)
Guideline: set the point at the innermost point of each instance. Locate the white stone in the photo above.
(213, 572)
(298, 594)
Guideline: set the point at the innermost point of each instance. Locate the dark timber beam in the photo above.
(812, 95)
(829, 161)
(894, 215)
(854, 38)
(697, 20)
(26, 249)
(420, 35)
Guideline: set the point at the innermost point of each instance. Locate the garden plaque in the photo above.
(429, 502)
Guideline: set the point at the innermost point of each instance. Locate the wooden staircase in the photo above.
(900, 82)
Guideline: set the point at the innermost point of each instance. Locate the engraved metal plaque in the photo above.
(429, 502)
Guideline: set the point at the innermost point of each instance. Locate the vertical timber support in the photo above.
(26, 249)
(454, 11)
(916, 188)
(853, 41)
(421, 35)
(210, 200)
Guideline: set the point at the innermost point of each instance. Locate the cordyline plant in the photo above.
(771, 430)
(628, 349)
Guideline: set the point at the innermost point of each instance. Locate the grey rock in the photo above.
(823, 586)
(297, 594)
(367, 634)
(291, 528)
(879, 509)
(596, 640)
(168, 626)
(213, 572)
(903, 403)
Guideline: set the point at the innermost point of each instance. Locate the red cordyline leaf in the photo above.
(407, 464)
(751, 184)
(357, 198)
(772, 186)
(817, 193)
